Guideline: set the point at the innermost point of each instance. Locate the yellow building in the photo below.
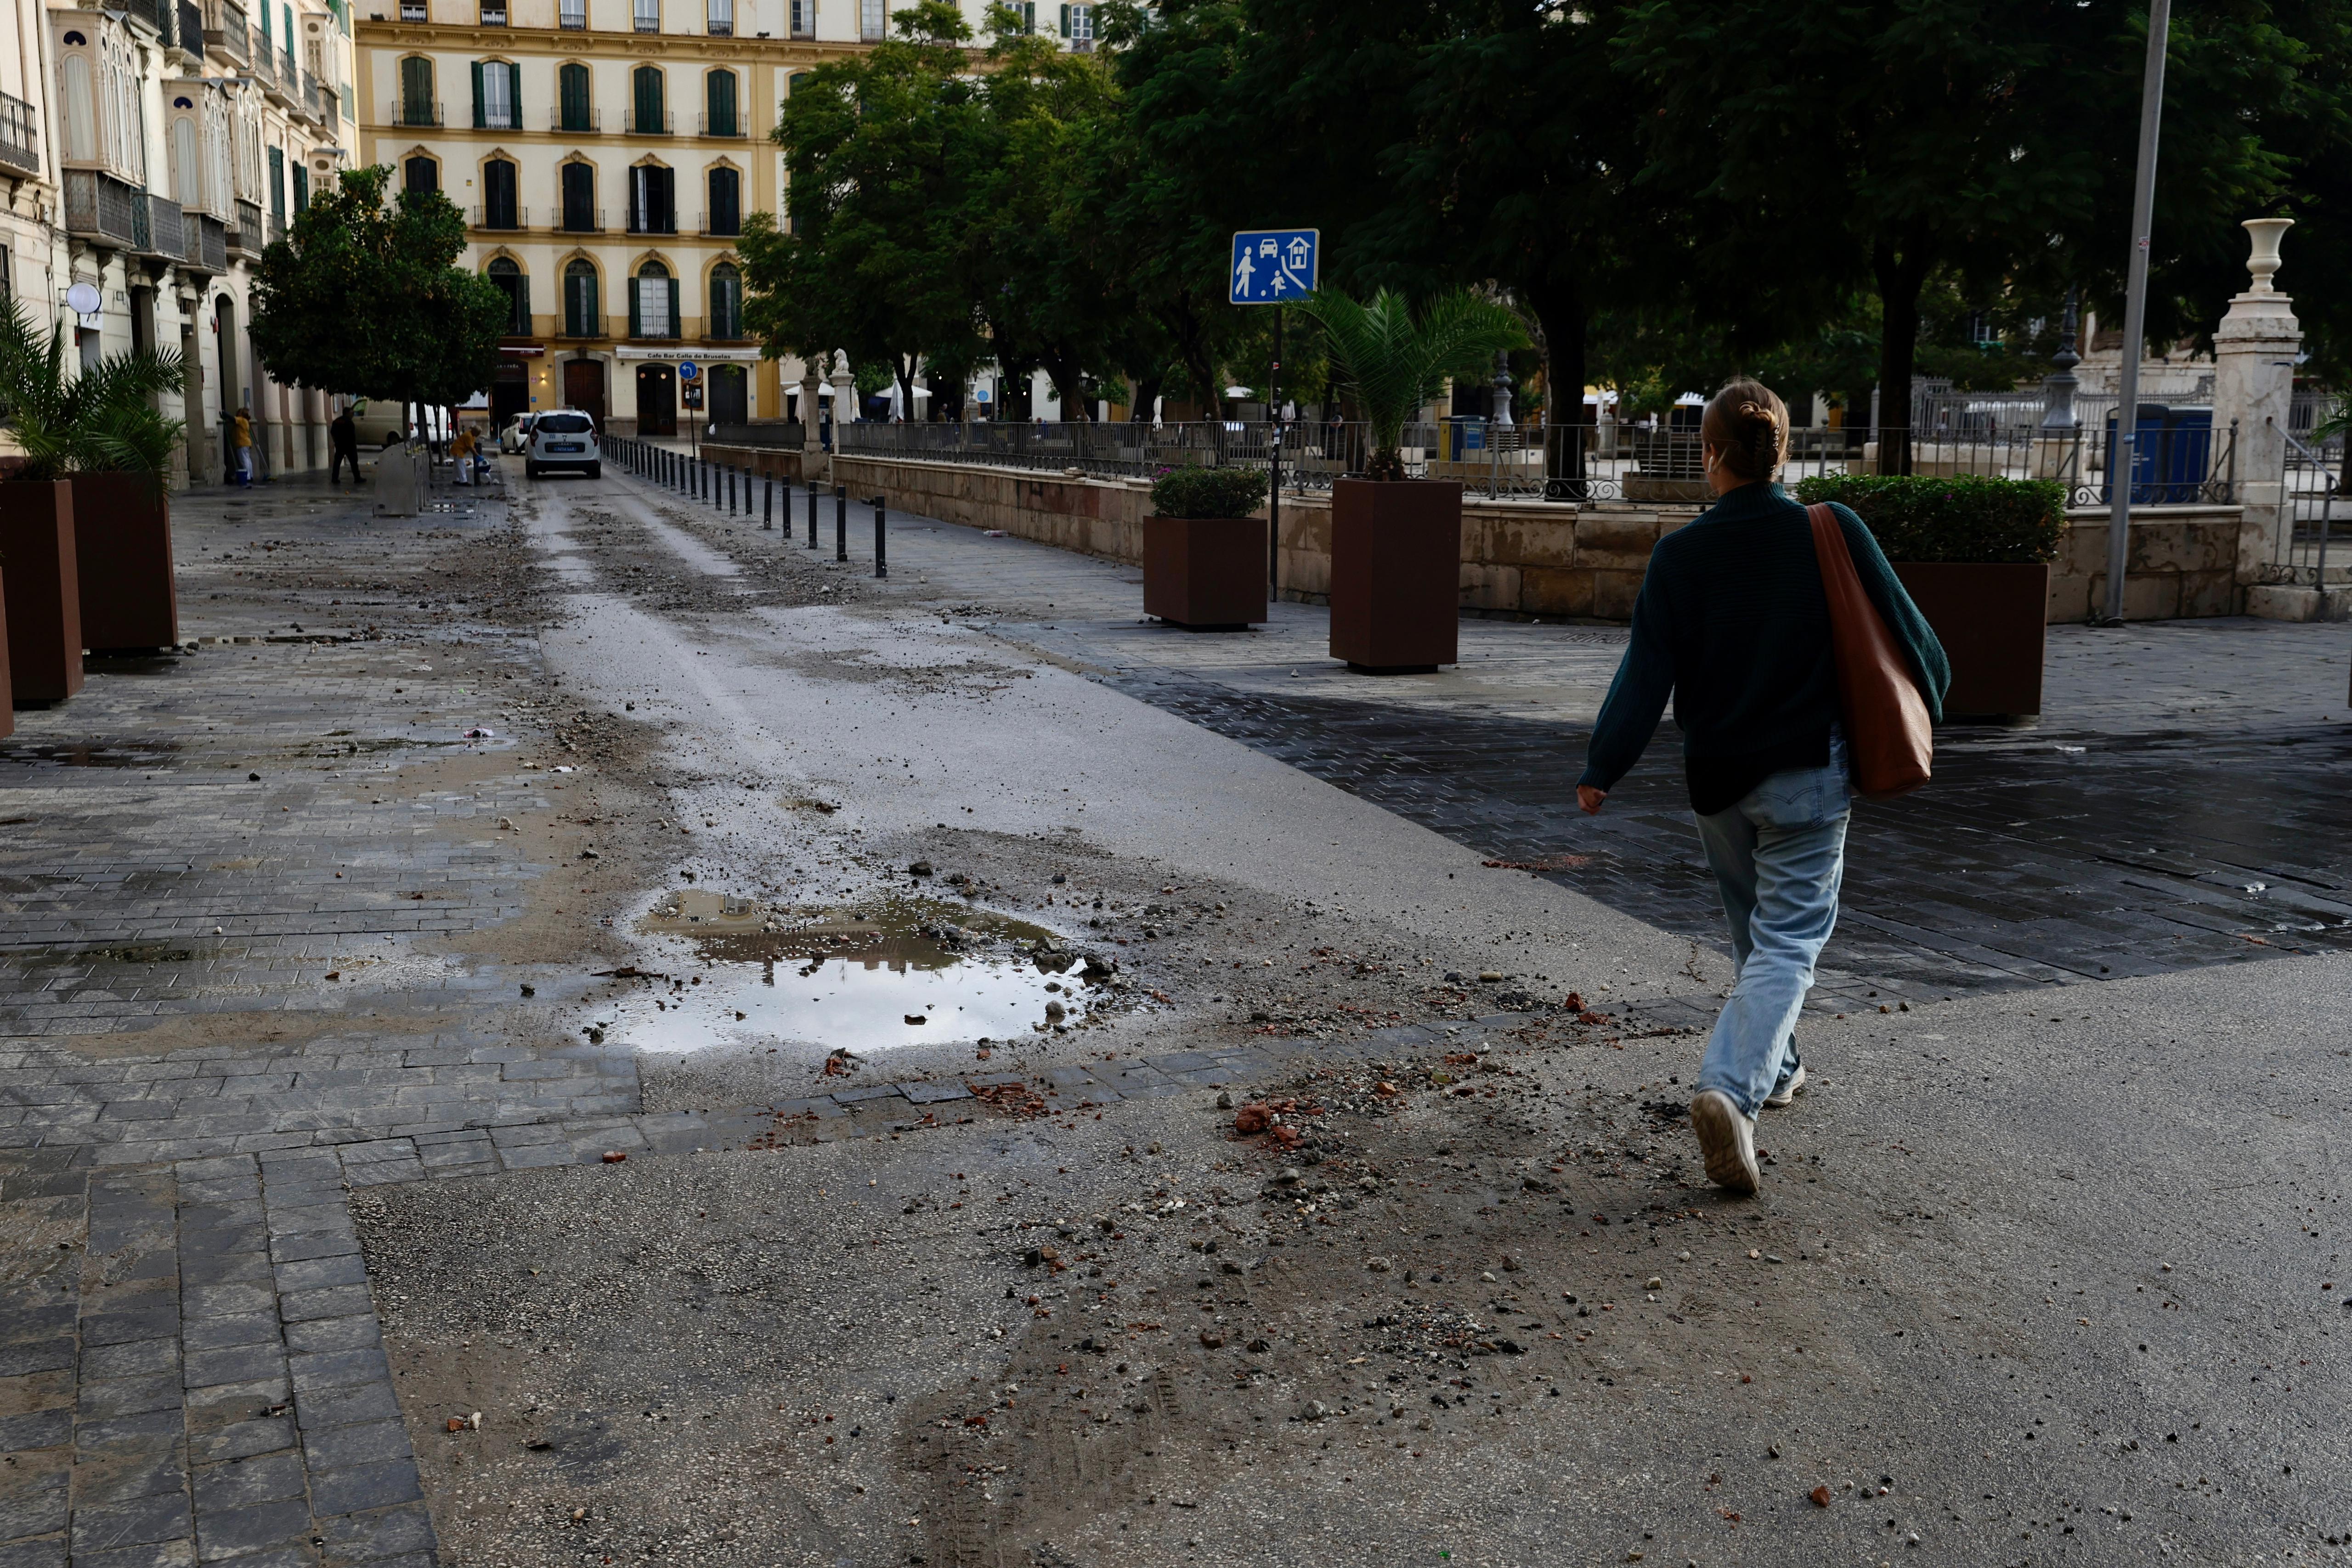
(606, 153)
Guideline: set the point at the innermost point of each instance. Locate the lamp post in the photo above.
(2124, 449)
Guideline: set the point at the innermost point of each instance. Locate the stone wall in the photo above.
(1519, 556)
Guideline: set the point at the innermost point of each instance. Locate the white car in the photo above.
(563, 439)
(516, 436)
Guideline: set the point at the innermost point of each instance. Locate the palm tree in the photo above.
(98, 421)
(1392, 362)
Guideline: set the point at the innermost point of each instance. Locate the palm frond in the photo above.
(100, 417)
(1394, 364)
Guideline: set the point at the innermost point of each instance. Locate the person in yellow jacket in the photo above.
(241, 437)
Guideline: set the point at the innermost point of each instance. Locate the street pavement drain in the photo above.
(2034, 858)
(726, 972)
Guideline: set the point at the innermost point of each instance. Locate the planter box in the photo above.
(1396, 573)
(1204, 572)
(122, 546)
(43, 598)
(1991, 621)
(7, 705)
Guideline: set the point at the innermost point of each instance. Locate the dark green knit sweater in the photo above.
(1732, 621)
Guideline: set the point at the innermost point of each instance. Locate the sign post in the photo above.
(690, 399)
(1269, 267)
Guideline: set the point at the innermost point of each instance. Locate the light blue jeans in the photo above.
(1777, 856)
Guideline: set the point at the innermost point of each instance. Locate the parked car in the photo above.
(563, 439)
(516, 436)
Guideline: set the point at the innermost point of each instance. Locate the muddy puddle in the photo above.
(724, 971)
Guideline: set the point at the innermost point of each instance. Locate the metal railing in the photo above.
(103, 208)
(653, 223)
(781, 435)
(726, 226)
(167, 233)
(207, 242)
(577, 324)
(227, 30)
(708, 125)
(407, 113)
(507, 218)
(2315, 495)
(2174, 464)
(188, 29)
(20, 135)
(643, 124)
(245, 235)
(580, 121)
(582, 220)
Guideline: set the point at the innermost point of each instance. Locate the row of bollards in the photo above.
(722, 484)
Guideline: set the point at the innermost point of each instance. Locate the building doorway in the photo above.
(730, 395)
(510, 390)
(657, 400)
(584, 388)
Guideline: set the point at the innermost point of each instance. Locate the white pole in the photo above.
(2124, 449)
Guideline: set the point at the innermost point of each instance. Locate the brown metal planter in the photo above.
(43, 599)
(8, 706)
(1992, 621)
(1204, 573)
(1396, 570)
(122, 546)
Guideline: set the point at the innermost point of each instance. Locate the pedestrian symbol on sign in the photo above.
(1272, 266)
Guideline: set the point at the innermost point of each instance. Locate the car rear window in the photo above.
(561, 423)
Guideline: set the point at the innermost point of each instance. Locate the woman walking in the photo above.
(1733, 622)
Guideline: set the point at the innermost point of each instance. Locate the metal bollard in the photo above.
(768, 502)
(812, 513)
(881, 560)
(840, 522)
(730, 490)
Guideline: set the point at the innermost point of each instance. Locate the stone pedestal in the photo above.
(2253, 385)
(845, 400)
(811, 440)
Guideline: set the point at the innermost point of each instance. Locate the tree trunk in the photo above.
(1069, 382)
(902, 369)
(1562, 311)
(1900, 277)
(1147, 394)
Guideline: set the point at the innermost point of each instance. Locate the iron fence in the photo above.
(2178, 461)
(2317, 499)
(781, 435)
(20, 136)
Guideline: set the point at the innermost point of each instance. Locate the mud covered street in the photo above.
(588, 1032)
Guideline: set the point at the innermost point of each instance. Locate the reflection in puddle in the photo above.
(892, 972)
(94, 754)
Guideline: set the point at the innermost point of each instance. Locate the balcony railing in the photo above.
(580, 120)
(103, 208)
(494, 15)
(166, 229)
(653, 223)
(720, 124)
(20, 136)
(227, 32)
(643, 124)
(246, 237)
(188, 29)
(573, 16)
(721, 226)
(263, 63)
(207, 242)
(408, 113)
(579, 324)
(504, 218)
(583, 220)
(317, 101)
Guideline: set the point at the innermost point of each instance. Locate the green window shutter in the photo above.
(479, 119)
(676, 328)
(514, 96)
(522, 306)
(634, 323)
(1065, 21)
(301, 188)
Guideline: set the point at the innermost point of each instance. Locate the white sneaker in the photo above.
(1787, 1091)
(1728, 1139)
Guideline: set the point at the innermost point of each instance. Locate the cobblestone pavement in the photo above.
(310, 911)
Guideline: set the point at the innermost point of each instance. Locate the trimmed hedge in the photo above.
(1194, 491)
(1971, 519)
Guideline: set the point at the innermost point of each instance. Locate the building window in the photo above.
(726, 302)
(499, 210)
(576, 114)
(653, 305)
(301, 189)
(81, 108)
(580, 198)
(718, 105)
(494, 13)
(648, 14)
(653, 200)
(413, 11)
(1079, 27)
(803, 18)
(873, 19)
(573, 16)
(720, 18)
(580, 318)
(498, 95)
(187, 172)
(277, 185)
(726, 214)
(645, 95)
(509, 277)
(423, 175)
(416, 105)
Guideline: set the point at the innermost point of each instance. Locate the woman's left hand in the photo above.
(1590, 799)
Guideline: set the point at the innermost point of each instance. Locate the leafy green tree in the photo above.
(1392, 361)
(362, 297)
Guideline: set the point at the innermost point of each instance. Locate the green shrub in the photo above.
(1194, 491)
(1971, 519)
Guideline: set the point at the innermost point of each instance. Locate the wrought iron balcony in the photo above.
(722, 124)
(226, 31)
(578, 118)
(188, 30)
(246, 239)
(582, 220)
(20, 136)
(166, 229)
(207, 243)
(505, 218)
(103, 209)
(409, 113)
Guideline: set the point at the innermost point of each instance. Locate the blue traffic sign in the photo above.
(688, 369)
(1274, 266)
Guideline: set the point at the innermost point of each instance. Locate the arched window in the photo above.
(653, 303)
(579, 215)
(653, 200)
(571, 88)
(82, 106)
(719, 117)
(187, 167)
(424, 176)
(645, 96)
(580, 317)
(726, 320)
(720, 17)
(499, 210)
(498, 95)
(725, 215)
(416, 105)
(508, 276)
